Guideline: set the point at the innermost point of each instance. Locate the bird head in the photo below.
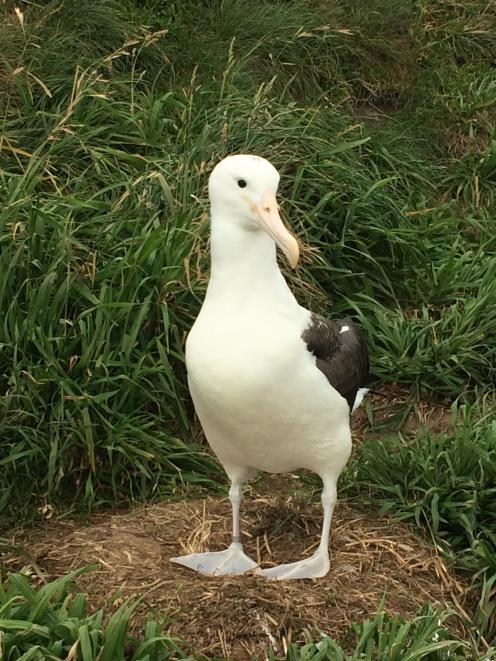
(243, 188)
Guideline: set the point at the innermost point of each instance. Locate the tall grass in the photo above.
(96, 289)
(112, 117)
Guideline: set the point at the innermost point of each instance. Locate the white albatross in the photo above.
(272, 383)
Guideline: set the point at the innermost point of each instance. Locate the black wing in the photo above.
(341, 352)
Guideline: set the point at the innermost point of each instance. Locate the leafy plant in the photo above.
(54, 623)
(425, 637)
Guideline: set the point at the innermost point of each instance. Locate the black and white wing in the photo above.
(341, 353)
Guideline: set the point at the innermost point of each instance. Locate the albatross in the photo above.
(273, 384)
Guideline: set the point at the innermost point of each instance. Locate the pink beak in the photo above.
(268, 215)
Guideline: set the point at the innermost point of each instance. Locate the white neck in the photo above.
(244, 264)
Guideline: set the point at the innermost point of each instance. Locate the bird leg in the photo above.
(318, 564)
(220, 563)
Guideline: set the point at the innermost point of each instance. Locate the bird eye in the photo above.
(241, 183)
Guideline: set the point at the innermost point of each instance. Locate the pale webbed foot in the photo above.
(314, 567)
(230, 562)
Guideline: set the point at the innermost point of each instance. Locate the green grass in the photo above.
(108, 134)
(425, 637)
(54, 623)
(381, 118)
(445, 481)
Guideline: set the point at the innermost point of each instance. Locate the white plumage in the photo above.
(262, 401)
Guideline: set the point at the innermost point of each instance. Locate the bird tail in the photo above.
(359, 398)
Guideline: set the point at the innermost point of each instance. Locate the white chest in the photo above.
(259, 396)
(243, 352)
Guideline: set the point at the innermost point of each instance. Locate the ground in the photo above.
(372, 559)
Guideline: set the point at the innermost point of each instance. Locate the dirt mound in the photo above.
(239, 617)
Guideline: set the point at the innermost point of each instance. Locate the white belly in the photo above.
(262, 402)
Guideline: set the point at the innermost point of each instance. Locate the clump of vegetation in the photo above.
(53, 622)
(444, 481)
(386, 637)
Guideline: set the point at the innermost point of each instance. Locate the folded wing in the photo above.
(341, 354)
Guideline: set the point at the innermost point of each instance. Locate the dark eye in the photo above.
(241, 183)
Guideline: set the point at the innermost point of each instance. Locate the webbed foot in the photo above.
(230, 562)
(314, 567)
